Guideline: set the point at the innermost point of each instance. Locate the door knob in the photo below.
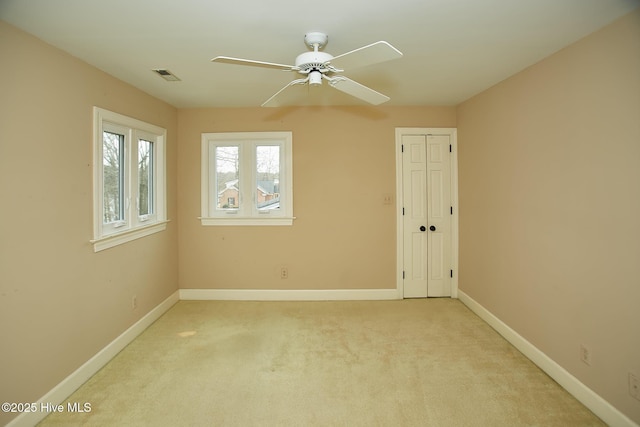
(432, 228)
(423, 228)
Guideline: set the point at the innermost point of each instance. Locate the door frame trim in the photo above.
(453, 133)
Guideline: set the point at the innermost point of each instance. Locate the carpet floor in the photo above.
(426, 362)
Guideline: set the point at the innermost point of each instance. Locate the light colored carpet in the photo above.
(428, 362)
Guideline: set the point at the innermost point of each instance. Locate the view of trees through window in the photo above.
(268, 177)
(227, 176)
(113, 177)
(145, 177)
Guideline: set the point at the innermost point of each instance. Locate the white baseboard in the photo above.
(289, 295)
(64, 389)
(584, 394)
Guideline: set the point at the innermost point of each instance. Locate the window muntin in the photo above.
(247, 178)
(129, 179)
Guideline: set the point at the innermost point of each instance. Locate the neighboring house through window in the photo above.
(247, 178)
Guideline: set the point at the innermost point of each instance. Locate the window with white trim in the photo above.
(129, 191)
(247, 178)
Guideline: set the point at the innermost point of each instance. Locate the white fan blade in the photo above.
(372, 54)
(252, 63)
(353, 88)
(274, 101)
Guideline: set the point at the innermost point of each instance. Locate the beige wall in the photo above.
(549, 181)
(60, 303)
(343, 164)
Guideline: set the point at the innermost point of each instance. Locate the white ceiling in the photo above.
(453, 49)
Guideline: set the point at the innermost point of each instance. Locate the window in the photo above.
(247, 178)
(129, 179)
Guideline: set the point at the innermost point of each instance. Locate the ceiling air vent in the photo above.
(167, 75)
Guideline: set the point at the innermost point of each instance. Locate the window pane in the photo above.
(145, 177)
(228, 177)
(268, 177)
(113, 177)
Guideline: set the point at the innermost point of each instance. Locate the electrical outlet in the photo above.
(284, 273)
(387, 199)
(134, 302)
(634, 386)
(585, 355)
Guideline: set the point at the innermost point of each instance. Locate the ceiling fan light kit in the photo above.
(315, 78)
(318, 66)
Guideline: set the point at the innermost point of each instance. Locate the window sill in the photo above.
(246, 221)
(112, 240)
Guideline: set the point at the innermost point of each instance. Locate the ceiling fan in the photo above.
(318, 66)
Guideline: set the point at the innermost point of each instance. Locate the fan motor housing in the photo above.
(310, 61)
